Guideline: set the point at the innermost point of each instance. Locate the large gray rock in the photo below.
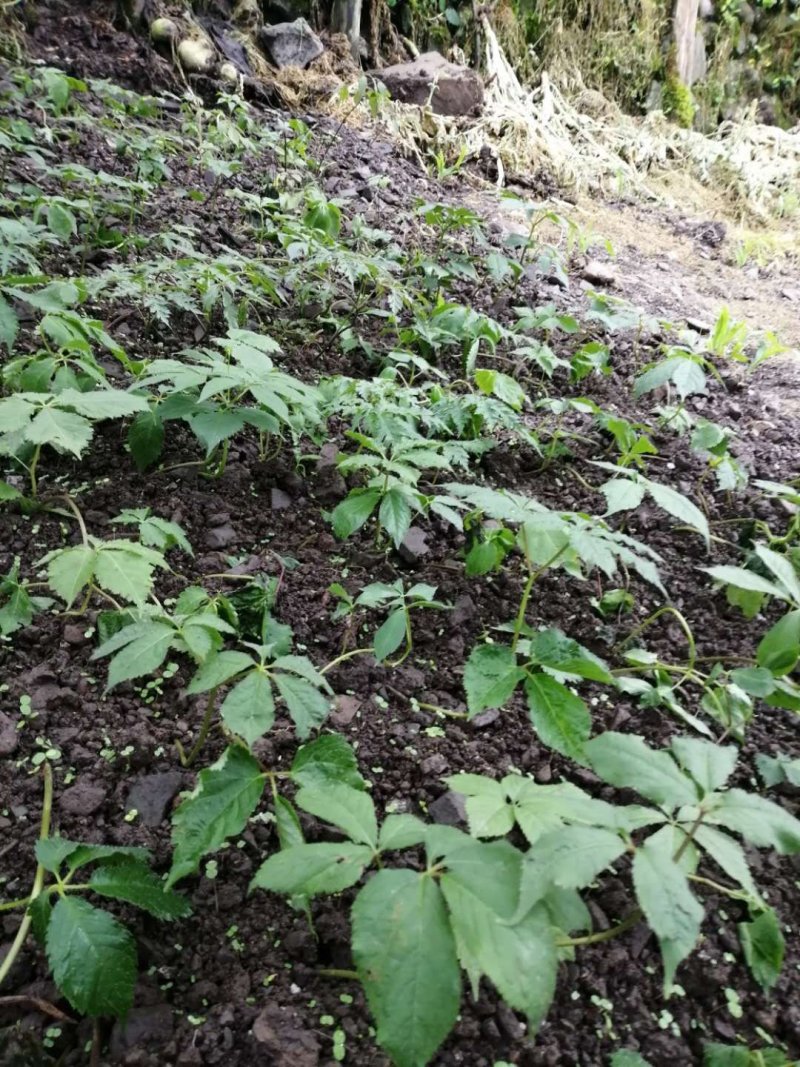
(457, 91)
(290, 44)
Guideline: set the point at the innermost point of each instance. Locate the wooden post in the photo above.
(346, 18)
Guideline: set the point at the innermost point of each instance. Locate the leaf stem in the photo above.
(603, 935)
(205, 728)
(338, 972)
(38, 881)
(74, 509)
(684, 625)
(345, 656)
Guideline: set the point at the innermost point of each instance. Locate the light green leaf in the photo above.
(307, 706)
(9, 324)
(756, 681)
(710, 764)
(135, 883)
(763, 946)
(783, 570)
(728, 855)
(249, 708)
(758, 820)
(405, 953)
(61, 221)
(218, 670)
(351, 514)
(680, 507)
(143, 655)
(519, 959)
(124, 573)
(390, 635)
(622, 494)
(102, 403)
(287, 823)
(395, 515)
(573, 856)
(625, 760)
(560, 718)
(490, 677)
(92, 957)
(60, 429)
(552, 648)
(328, 758)
(225, 797)
(671, 910)
(744, 579)
(70, 570)
(351, 810)
(311, 869)
(626, 1057)
(401, 831)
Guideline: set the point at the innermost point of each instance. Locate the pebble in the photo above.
(414, 546)
(599, 273)
(450, 809)
(83, 798)
(220, 536)
(9, 738)
(151, 795)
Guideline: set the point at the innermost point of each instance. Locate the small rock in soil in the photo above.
(278, 500)
(75, 635)
(485, 718)
(434, 766)
(599, 273)
(9, 738)
(83, 798)
(220, 536)
(329, 485)
(282, 1043)
(149, 1024)
(345, 711)
(413, 546)
(151, 795)
(464, 611)
(450, 809)
(291, 44)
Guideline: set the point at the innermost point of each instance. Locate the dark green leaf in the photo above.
(560, 718)
(625, 760)
(354, 511)
(92, 957)
(225, 797)
(146, 438)
(491, 675)
(763, 946)
(390, 636)
(307, 706)
(136, 884)
(326, 759)
(352, 810)
(249, 708)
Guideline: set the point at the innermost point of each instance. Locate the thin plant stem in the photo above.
(345, 656)
(38, 881)
(684, 625)
(603, 935)
(205, 728)
(338, 972)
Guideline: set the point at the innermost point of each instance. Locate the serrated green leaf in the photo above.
(573, 856)
(61, 221)
(491, 675)
(783, 570)
(552, 648)
(328, 758)
(311, 869)
(351, 810)
(743, 579)
(404, 951)
(728, 855)
(758, 820)
(395, 515)
(143, 655)
(710, 764)
(9, 324)
(225, 797)
(401, 831)
(302, 666)
(560, 718)
(62, 430)
(779, 648)
(218, 670)
(519, 959)
(102, 403)
(122, 572)
(134, 882)
(70, 570)
(52, 851)
(622, 494)
(249, 708)
(390, 635)
(351, 514)
(663, 893)
(680, 507)
(307, 706)
(625, 760)
(287, 823)
(763, 946)
(92, 957)
(88, 853)
(146, 438)
(756, 681)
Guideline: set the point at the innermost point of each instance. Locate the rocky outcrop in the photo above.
(451, 89)
(290, 44)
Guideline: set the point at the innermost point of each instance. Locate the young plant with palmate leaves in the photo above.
(497, 911)
(219, 392)
(91, 955)
(399, 602)
(393, 472)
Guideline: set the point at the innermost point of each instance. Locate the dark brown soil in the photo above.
(238, 983)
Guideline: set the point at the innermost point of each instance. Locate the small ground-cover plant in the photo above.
(399, 602)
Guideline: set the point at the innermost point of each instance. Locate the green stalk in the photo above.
(205, 729)
(684, 625)
(38, 881)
